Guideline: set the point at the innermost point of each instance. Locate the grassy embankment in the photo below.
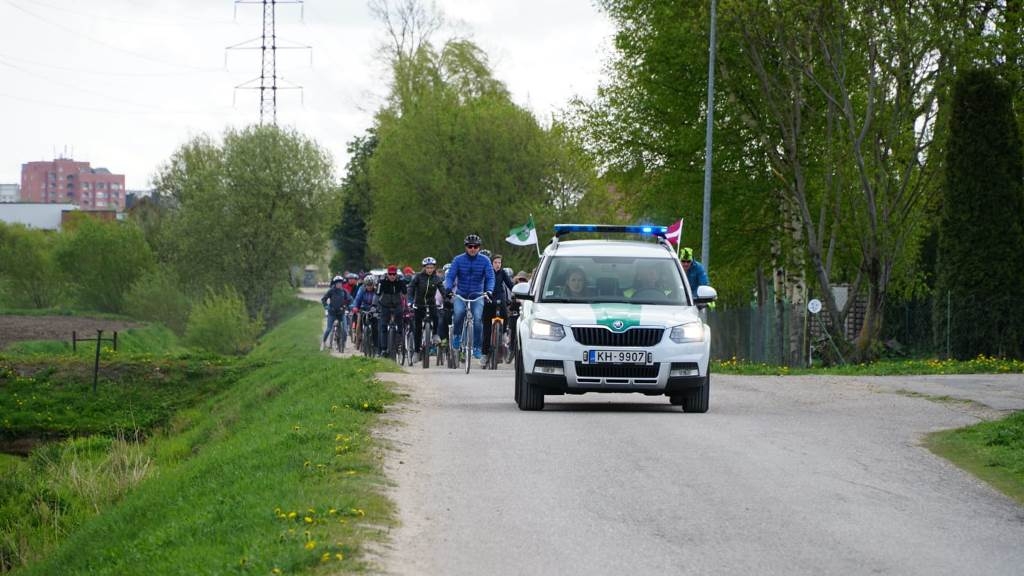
(272, 471)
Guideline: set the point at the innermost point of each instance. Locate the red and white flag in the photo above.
(675, 232)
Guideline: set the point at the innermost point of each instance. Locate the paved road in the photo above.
(787, 475)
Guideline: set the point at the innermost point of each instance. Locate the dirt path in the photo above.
(19, 328)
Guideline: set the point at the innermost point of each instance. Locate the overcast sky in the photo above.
(123, 83)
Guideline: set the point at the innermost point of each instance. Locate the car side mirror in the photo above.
(522, 291)
(704, 296)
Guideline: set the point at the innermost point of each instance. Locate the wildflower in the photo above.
(339, 556)
(326, 557)
(311, 545)
(292, 515)
(307, 520)
(332, 511)
(275, 571)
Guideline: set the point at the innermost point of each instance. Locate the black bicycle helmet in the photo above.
(472, 239)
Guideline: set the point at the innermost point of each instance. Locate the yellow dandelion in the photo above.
(365, 405)
(307, 520)
(326, 557)
(296, 428)
(339, 556)
(275, 571)
(311, 544)
(292, 515)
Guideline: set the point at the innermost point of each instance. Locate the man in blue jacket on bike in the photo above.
(471, 276)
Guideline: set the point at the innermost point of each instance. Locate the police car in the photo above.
(612, 316)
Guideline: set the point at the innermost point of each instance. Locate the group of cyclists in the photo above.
(474, 279)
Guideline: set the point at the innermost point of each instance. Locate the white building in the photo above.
(39, 216)
(10, 193)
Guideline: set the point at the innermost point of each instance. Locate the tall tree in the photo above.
(350, 233)
(245, 210)
(982, 228)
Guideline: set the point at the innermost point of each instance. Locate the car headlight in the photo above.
(544, 330)
(692, 332)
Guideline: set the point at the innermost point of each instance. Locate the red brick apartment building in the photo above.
(64, 181)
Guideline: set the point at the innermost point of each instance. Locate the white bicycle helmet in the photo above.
(429, 261)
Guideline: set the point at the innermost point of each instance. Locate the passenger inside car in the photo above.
(575, 285)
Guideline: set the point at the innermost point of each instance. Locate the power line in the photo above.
(77, 32)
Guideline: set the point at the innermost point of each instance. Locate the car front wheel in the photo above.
(697, 400)
(530, 397)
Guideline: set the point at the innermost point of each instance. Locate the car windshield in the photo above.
(584, 279)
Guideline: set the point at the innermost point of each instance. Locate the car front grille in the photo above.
(616, 370)
(634, 337)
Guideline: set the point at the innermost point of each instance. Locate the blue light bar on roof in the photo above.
(644, 230)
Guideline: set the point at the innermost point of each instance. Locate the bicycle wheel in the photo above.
(392, 342)
(410, 344)
(343, 332)
(367, 341)
(425, 343)
(467, 340)
(496, 337)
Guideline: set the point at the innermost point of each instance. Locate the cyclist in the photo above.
(695, 273)
(422, 293)
(391, 289)
(351, 283)
(470, 276)
(498, 306)
(367, 298)
(335, 301)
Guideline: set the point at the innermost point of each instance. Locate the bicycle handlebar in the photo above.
(468, 300)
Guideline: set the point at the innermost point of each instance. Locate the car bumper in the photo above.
(556, 367)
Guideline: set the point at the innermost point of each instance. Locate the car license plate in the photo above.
(618, 357)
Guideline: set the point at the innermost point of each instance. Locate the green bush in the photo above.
(101, 260)
(219, 323)
(284, 303)
(28, 274)
(156, 296)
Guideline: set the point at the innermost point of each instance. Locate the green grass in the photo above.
(279, 472)
(46, 390)
(992, 451)
(979, 365)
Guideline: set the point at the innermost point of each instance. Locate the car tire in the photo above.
(530, 397)
(697, 400)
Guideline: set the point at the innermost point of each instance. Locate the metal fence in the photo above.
(785, 335)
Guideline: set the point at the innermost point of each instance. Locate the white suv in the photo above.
(612, 316)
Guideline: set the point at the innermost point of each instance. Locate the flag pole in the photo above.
(537, 243)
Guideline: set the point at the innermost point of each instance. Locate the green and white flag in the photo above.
(523, 235)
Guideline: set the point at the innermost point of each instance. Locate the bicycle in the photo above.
(497, 340)
(408, 338)
(427, 336)
(394, 343)
(368, 319)
(466, 349)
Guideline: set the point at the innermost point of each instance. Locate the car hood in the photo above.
(617, 317)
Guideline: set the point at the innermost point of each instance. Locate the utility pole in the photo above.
(268, 46)
(705, 240)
